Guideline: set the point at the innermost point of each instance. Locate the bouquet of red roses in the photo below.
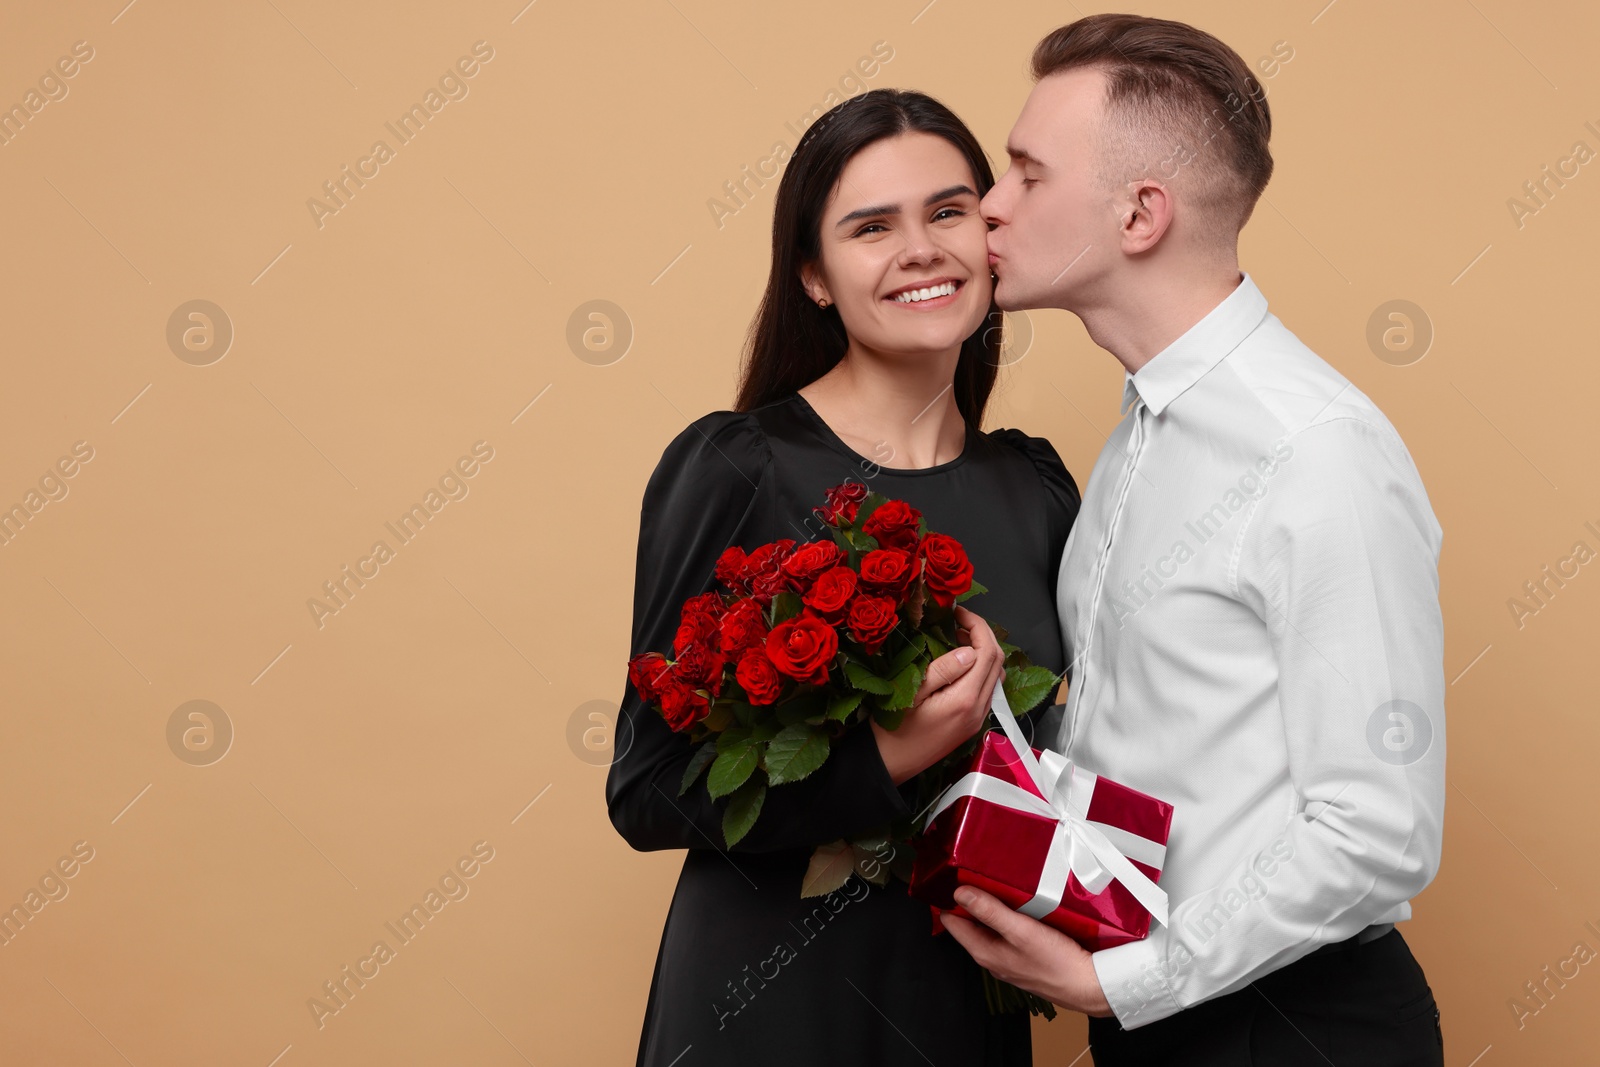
(809, 641)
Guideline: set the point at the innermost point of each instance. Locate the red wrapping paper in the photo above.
(1002, 851)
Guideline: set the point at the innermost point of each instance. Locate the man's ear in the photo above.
(1147, 213)
(811, 280)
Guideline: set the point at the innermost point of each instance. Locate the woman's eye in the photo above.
(869, 227)
(1029, 181)
(948, 212)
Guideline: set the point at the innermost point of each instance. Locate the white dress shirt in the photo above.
(1250, 602)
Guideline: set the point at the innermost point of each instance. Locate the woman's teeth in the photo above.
(916, 295)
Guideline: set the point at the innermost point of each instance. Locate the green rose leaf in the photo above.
(1026, 686)
(869, 867)
(841, 708)
(860, 542)
(719, 718)
(794, 753)
(913, 648)
(829, 869)
(873, 842)
(906, 684)
(786, 605)
(977, 587)
(889, 720)
(733, 765)
(698, 762)
(743, 807)
(862, 678)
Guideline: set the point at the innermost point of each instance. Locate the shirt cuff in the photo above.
(1134, 980)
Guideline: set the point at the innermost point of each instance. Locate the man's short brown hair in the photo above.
(1176, 98)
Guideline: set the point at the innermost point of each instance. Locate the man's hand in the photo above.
(1025, 952)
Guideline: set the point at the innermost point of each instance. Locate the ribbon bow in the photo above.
(1079, 847)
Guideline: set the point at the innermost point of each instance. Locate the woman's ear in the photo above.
(816, 289)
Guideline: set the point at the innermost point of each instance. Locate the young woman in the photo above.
(874, 339)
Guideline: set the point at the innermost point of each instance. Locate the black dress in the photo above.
(747, 971)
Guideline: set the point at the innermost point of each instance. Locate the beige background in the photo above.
(437, 708)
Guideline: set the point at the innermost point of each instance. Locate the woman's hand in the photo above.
(950, 705)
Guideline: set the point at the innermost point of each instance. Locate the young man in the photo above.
(1249, 595)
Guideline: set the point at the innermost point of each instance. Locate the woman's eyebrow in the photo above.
(894, 209)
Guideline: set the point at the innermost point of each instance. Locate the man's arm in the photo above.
(1340, 561)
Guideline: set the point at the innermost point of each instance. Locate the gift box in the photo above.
(1055, 841)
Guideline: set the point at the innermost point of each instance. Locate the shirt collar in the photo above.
(1186, 360)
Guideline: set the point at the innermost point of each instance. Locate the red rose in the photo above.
(710, 603)
(647, 672)
(830, 594)
(843, 503)
(809, 560)
(888, 571)
(730, 566)
(694, 628)
(802, 648)
(700, 667)
(744, 626)
(947, 570)
(762, 572)
(872, 620)
(682, 707)
(894, 525)
(761, 681)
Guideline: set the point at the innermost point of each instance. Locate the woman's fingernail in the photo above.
(964, 656)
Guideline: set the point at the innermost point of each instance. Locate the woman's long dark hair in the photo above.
(792, 341)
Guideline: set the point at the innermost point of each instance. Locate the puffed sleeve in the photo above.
(1061, 501)
(700, 500)
(1061, 495)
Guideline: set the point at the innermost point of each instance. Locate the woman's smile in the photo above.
(928, 295)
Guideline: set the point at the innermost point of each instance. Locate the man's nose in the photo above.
(989, 207)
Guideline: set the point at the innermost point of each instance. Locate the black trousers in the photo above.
(1346, 1004)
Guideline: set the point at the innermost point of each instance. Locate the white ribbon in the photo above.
(1080, 846)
